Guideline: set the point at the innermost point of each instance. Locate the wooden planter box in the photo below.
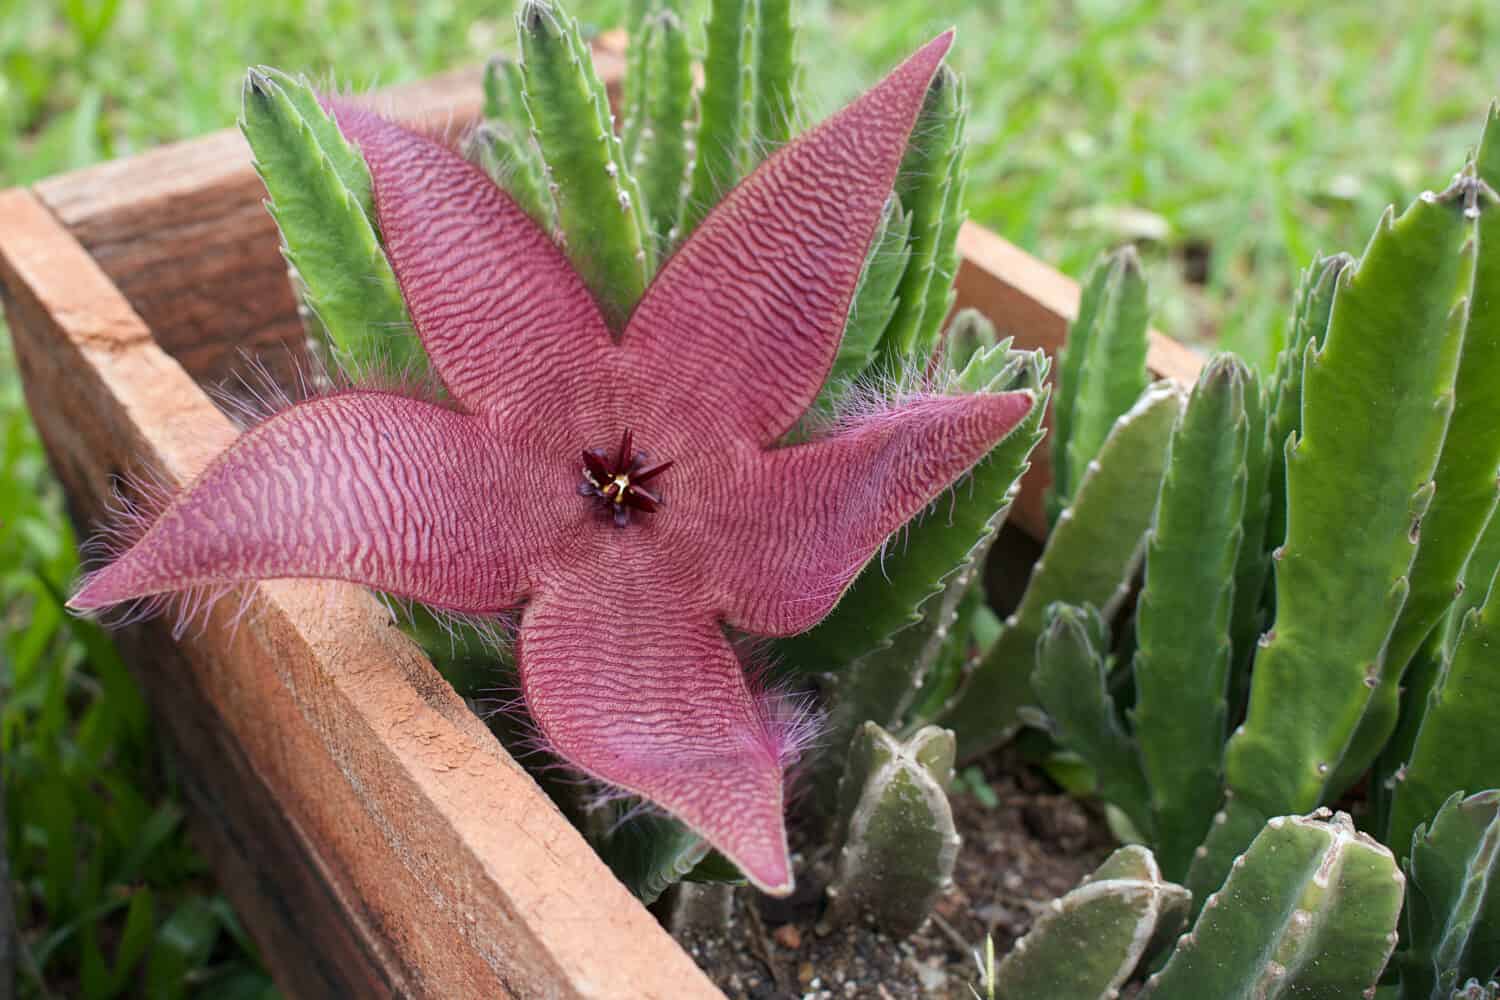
(371, 832)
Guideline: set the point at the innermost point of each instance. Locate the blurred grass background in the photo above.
(1230, 141)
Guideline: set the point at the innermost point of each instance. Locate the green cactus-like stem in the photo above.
(970, 332)
(1309, 911)
(882, 685)
(974, 630)
(1356, 491)
(502, 144)
(1183, 649)
(510, 160)
(915, 650)
(701, 908)
(1453, 908)
(1466, 471)
(1086, 944)
(721, 108)
(345, 160)
(601, 218)
(1105, 358)
(1091, 555)
(1458, 742)
(930, 185)
(1484, 562)
(638, 73)
(320, 197)
(775, 74)
(650, 853)
(662, 162)
(1071, 681)
(1233, 827)
(941, 293)
(899, 844)
(1251, 615)
(1069, 369)
(873, 306)
(504, 94)
(1308, 326)
(1422, 675)
(745, 152)
(1113, 368)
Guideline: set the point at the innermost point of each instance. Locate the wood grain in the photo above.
(376, 838)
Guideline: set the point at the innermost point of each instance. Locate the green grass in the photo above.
(110, 896)
(1232, 141)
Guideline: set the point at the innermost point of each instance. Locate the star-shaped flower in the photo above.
(528, 490)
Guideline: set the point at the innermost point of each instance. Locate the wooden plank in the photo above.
(375, 836)
(1034, 303)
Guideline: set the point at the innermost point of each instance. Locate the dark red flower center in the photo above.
(617, 481)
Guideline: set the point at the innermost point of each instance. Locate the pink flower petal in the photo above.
(624, 663)
(797, 530)
(628, 685)
(406, 496)
(747, 316)
(503, 316)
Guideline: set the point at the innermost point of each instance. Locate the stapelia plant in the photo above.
(1230, 707)
(624, 487)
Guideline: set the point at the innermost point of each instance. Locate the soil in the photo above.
(1032, 846)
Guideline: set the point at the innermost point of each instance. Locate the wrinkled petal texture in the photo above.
(622, 652)
(629, 687)
(750, 310)
(800, 525)
(502, 315)
(370, 487)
